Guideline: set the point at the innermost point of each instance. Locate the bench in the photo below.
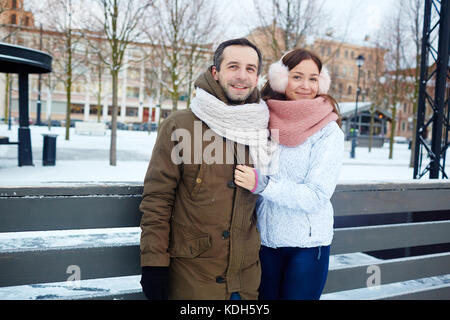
(81, 241)
(5, 140)
(90, 128)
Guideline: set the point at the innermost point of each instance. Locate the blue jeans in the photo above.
(293, 273)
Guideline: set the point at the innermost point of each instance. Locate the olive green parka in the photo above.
(194, 218)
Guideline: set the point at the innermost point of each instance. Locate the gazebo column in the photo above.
(25, 152)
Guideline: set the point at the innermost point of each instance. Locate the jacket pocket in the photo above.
(185, 243)
(252, 246)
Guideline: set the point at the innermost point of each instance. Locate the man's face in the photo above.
(238, 75)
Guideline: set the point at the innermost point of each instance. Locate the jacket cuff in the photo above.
(261, 182)
(153, 260)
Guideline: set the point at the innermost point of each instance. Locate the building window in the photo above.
(77, 108)
(13, 19)
(14, 4)
(132, 92)
(110, 110)
(131, 112)
(93, 109)
(134, 74)
(349, 90)
(346, 54)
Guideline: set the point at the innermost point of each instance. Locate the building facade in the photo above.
(12, 13)
(141, 96)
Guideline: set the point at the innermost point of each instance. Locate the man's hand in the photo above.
(245, 177)
(155, 282)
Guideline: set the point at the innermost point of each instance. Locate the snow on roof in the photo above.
(348, 108)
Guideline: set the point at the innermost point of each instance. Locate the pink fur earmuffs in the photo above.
(279, 77)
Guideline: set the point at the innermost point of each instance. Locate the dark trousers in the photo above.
(293, 273)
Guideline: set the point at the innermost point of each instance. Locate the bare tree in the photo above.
(415, 19)
(395, 39)
(180, 36)
(285, 24)
(154, 87)
(50, 83)
(68, 49)
(377, 93)
(120, 23)
(98, 48)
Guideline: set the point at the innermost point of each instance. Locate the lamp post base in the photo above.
(354, 142)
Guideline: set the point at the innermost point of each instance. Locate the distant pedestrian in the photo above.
(295, 215)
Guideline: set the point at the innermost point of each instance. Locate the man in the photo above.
(199, 237)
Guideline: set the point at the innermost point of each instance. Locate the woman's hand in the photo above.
(245, 177)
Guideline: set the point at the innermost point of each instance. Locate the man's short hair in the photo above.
(218, 55)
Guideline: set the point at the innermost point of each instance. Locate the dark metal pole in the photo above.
(422, 87)
(25, 153)
(10, 102)
(38, 111)
(441, 77)
(354, 133)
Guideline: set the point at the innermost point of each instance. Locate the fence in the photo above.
(81, 241)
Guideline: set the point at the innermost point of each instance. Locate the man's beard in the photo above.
(237, 100)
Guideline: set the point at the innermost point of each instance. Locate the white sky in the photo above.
(358, 17)
(351, 19)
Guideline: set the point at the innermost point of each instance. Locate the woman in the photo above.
(295, 215)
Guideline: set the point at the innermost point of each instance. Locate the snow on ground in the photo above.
(81, 289)
(85, 158)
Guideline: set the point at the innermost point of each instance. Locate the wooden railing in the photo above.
(81, 241)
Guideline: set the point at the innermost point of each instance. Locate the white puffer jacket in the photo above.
(295, 210)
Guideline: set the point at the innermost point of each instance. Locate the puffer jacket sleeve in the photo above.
(321, 178)
(160, 185)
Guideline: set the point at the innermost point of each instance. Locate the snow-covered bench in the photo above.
(90, 128)
(81, 241)
(70, 242)
(5, 140)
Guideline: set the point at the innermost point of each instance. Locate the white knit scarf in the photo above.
(246, 124)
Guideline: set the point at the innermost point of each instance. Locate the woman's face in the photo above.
(303, 81)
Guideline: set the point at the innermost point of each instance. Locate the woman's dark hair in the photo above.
(290, 60)
(218, 54)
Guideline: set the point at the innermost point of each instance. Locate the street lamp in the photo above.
(359, 63)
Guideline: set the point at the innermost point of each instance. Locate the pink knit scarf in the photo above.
(297, 120)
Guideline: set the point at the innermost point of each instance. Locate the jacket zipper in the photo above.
(309, 222)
